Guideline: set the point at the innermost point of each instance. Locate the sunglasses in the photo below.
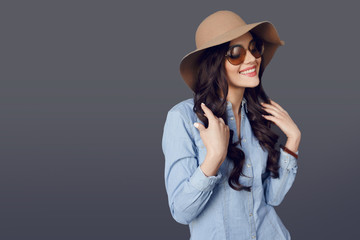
(236, 53)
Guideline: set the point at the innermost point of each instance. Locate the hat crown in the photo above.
(215, 25)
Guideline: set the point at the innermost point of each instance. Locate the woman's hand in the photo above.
(282, 119)
(216, 136)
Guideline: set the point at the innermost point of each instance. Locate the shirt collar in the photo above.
(243, 104)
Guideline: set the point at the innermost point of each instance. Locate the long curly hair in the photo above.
(211, 81)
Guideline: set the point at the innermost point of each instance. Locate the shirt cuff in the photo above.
(288, 161)
(202, 182)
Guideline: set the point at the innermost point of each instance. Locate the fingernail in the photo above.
(203, 103)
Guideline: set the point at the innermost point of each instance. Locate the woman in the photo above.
(223, 175)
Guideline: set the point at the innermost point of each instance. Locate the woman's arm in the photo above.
(187, 187)
(275, 189)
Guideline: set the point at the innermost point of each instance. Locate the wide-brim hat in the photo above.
(223, 26)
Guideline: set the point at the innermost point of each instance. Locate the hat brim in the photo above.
(264, 30)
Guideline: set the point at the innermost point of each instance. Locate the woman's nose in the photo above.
(249, 57)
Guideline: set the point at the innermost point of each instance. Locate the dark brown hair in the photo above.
(211, 80)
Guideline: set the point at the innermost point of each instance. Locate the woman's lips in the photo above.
(245, 69)
(251, 74)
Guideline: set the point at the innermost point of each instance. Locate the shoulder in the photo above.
(179, 120)
(184, 105)
(184, 109)
(182, 116)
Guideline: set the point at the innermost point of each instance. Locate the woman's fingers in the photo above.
(216, 136)
(277, 105)
(275, 113)
(208, 112)
(199, 126)
(271, 108)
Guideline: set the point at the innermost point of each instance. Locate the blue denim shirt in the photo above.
(211, 208)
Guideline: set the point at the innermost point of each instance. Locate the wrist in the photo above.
(210, 166)
(287, 150)
(293, 143)
(296, 136)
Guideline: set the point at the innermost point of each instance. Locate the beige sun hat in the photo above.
(223, 26)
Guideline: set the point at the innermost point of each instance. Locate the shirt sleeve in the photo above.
(275, 189)
(188, 188)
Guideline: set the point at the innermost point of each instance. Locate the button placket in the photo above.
(248, 171)
(251, 208)
(232, 118)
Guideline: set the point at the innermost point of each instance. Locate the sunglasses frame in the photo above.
(228, 56)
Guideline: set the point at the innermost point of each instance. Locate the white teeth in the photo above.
(248, 71)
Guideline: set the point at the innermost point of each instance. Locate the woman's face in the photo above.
(235, 77)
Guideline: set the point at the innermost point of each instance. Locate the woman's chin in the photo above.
(250, 82)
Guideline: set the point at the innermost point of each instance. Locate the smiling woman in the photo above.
(243, 65)
(225, 185)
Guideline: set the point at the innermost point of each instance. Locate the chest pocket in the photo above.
(247, 170)
(247, 176)
(261, 155)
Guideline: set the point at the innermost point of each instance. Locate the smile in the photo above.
(250, 72)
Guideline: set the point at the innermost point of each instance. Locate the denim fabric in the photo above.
(211, 208)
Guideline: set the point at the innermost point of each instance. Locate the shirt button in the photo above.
(250, 214)
(248, 165)
(244, 140)
(252, 236)
(285, 161)
(232, 118)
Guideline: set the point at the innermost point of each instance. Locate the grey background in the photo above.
(85, 88)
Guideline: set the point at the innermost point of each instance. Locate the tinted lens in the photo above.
(236, 54)
(256, 47)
